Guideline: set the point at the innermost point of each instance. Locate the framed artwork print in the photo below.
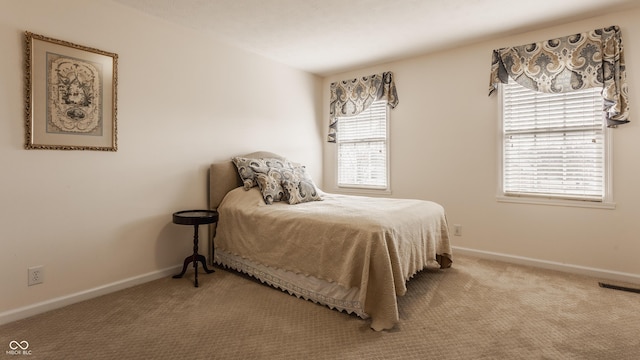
(71, 98)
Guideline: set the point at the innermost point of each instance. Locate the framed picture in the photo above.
(71, 98)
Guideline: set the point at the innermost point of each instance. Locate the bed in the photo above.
(351, 253)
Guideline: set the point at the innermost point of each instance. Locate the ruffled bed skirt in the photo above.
(310, 288)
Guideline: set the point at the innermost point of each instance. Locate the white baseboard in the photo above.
(551, 265)
(30, 310)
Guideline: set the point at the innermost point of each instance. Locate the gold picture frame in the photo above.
(71, 96)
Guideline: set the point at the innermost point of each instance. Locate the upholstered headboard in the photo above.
(224, 177)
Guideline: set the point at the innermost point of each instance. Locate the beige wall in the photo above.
(184, 100)
(444, 147)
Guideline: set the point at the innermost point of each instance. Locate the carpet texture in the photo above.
(478, 309)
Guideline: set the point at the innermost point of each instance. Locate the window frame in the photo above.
(607, 201)
(366, 189)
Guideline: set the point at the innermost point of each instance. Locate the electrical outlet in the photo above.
(457, 229)
(36, 275)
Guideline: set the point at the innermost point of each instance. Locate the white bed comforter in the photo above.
(373, 244)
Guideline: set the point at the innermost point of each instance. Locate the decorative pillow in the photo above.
(270, 178)
(246, 172)
(300, 188)
(270, 187)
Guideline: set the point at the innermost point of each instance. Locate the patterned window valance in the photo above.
(351, 97)
(580, 61)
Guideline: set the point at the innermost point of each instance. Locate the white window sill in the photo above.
(348, 190)
(557, 202)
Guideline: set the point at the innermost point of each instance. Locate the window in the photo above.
(362, 149)
(554, 145)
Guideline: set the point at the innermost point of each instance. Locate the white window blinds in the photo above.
(554, 144)
(362, 148)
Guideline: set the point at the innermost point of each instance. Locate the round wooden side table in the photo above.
(195, 218)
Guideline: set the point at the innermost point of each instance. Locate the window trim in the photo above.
(607, 201)
(365, 189)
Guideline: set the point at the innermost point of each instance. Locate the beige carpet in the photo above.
(478, 309)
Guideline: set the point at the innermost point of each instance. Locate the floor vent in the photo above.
(616, 287)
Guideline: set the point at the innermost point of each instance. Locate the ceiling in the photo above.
(330, 36)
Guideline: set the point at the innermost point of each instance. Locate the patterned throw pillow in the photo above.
(269, 180)
(247, 174)
(300, 188)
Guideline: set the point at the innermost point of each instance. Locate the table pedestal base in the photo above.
(194, 259)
